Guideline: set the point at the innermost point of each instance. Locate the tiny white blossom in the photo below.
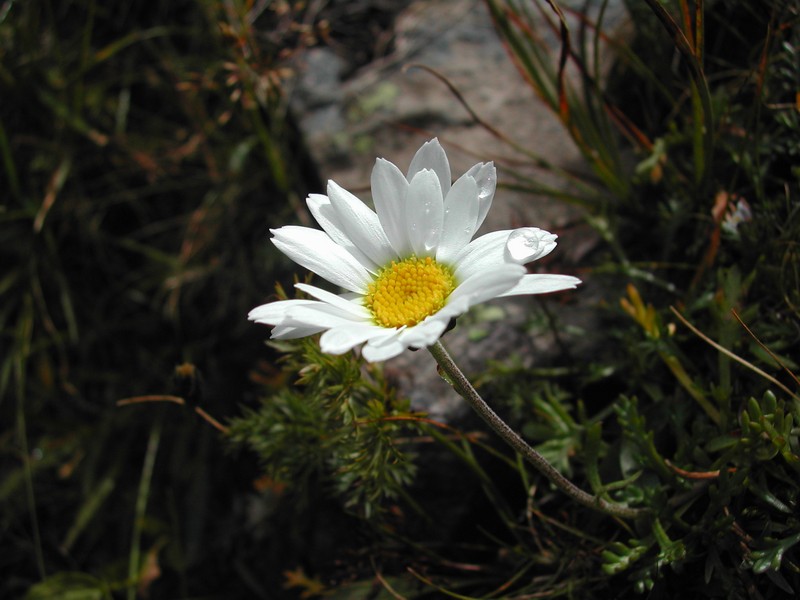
(408, 267)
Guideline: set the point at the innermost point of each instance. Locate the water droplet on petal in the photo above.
(529, 243)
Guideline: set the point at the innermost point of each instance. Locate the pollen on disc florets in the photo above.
(406, 292)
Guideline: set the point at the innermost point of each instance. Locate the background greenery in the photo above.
(142, 146)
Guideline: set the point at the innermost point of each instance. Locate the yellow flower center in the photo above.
(406, 292)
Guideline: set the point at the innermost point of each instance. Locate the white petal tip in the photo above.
(529, 243)
(542, 284)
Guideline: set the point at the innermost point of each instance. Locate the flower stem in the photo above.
(462, 385)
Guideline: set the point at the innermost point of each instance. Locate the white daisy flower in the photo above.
(410, 266)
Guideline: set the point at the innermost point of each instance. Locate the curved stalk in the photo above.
(465, 389)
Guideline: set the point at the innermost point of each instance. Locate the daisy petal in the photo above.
(274, 312)
(485, 175)
(323, 212)
(424, 334)
(339, 340)
(542, 284)
(424, 213)
(293, 332)
(317, 314)
(460, 216)
(482, 254)
(432, 156)
(349, 306)
(374, 353)
(488, 284)
(317, 252)
(361, 225)
(528, 244)
(389, 189)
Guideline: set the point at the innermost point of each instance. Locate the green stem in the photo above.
(23, 351)
(462, 385)
(134, 560)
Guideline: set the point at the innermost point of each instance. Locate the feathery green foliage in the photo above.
(336, 427)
